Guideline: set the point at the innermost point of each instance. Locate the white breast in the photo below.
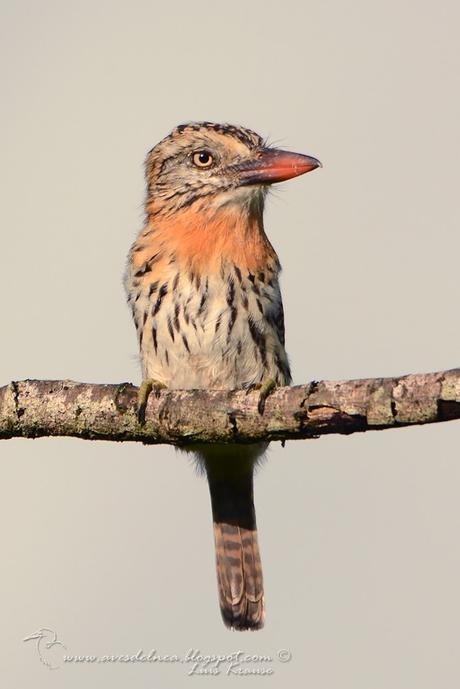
(221, 331)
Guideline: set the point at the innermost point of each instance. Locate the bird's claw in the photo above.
(266, 388)
(147, 386)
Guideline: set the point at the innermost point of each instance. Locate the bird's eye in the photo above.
(202, 159)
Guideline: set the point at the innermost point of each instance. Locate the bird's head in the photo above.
(43, 633)
(219, 163)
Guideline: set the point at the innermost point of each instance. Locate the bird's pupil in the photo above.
(204, 158)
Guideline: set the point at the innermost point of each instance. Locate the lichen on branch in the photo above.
(92, 411)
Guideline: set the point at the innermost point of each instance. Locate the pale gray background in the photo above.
(111, 545)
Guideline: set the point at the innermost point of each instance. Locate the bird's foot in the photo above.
(265, 390)
(147, 386)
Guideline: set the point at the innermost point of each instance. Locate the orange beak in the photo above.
(274, 165)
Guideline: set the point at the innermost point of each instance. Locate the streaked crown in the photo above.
(197, 159)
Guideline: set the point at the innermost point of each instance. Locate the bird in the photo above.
(202, 281)
(46, 639)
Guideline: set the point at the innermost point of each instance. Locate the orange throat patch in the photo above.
(202, 238)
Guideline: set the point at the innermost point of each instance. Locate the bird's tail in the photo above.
(239, 569)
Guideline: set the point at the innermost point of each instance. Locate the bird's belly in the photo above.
(205, 339)
(203, 354)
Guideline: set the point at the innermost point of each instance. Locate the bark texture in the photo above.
(36, 408)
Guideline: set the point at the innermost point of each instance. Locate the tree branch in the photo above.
(35, 408)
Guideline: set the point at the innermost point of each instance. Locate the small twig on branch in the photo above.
(36, 408)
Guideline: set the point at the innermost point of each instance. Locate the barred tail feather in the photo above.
(239, 577)
(238, 564)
